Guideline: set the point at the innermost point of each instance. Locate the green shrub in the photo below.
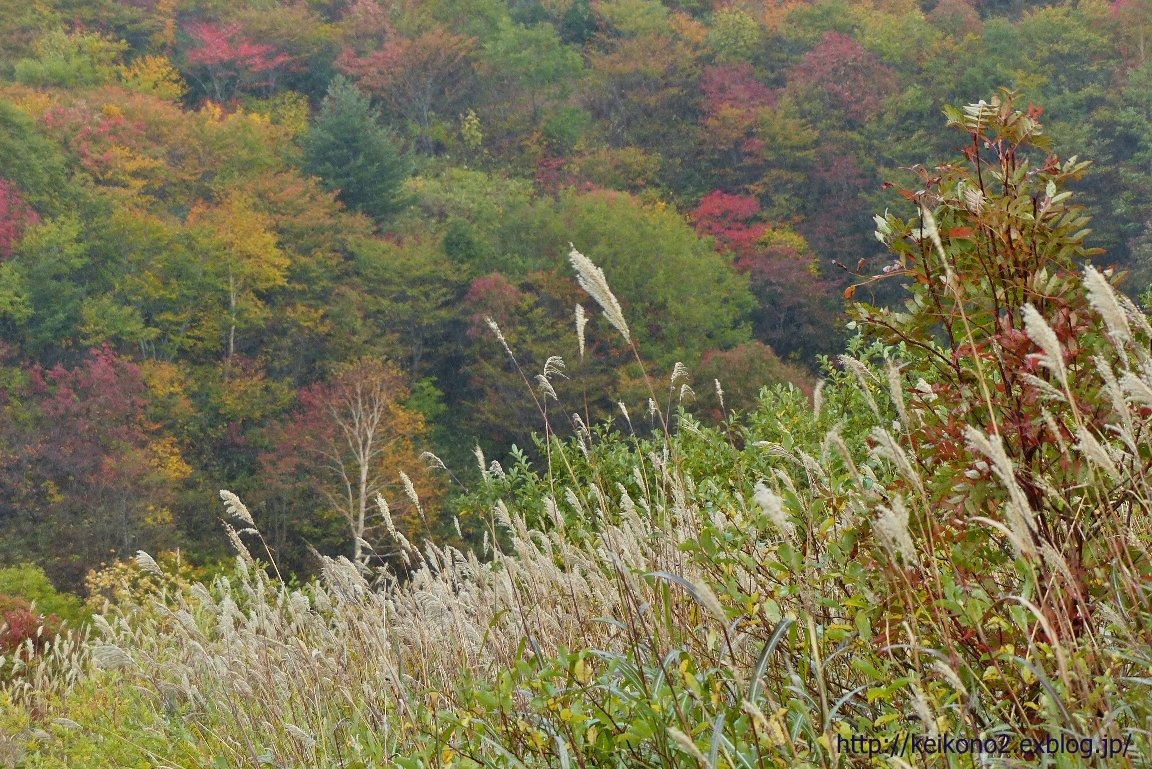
(29, 581)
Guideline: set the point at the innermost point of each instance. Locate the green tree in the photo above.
(48, 275)
(33, 162)
(71, 60)
(352, 153)
(687, 294)
(528, 64)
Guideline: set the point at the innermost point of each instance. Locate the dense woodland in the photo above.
(614, 384)
(285, 248)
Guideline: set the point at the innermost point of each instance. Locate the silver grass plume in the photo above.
(892, 529)
(410, 491)
(973, 199)
(686, 744)
(888, 448)
(896, 390)
(237, 544)
(1095, 451)
(499, 335)
(1045, 338)
(501, 514)
(863, 375)
(389, 524)
(546, 387)
(933, 232)
(306, 739)
(554, 366)
(110, 657)
(581, 322)
(236, 508)
(923, 710)
(773, 506)
(1018, 511)
(148, 564)
(434, 462)
(592, 280)
(707, 598)
(951, 676)
(1135, 315)
(1103, 301)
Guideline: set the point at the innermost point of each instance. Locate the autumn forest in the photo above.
(614, 384)
(237, 238)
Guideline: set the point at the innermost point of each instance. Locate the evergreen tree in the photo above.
(353, 154)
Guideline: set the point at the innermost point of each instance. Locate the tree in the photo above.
(418, 78)
(228, 62)
(642, 89)
(523, 69)
(15, 217)
(1133, 19)
(413, 301)
(89, 476)
(348, 440)
(245, 259)
(354, 155)
(33, 162)
(48, 272)
(734, 35)
(957, 18)
(795, 313)
(850, 79)
(690, 300)
(728, 218)
(999, 326)
(297, 31)
(71, 60)
(742, 373)
(731, 142)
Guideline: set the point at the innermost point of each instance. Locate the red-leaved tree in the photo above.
(734, 101)
(89, 476)
(15, 217)
(416, 78)
(225, 61)
(851, 79)
(349, 440)
(729, 219)
(795, 299)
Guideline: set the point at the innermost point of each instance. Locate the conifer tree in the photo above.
(352, 153)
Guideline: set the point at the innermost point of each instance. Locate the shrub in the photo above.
(24, 631)
(29, 581)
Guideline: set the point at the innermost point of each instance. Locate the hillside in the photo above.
(483, 384)
(212, 216)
